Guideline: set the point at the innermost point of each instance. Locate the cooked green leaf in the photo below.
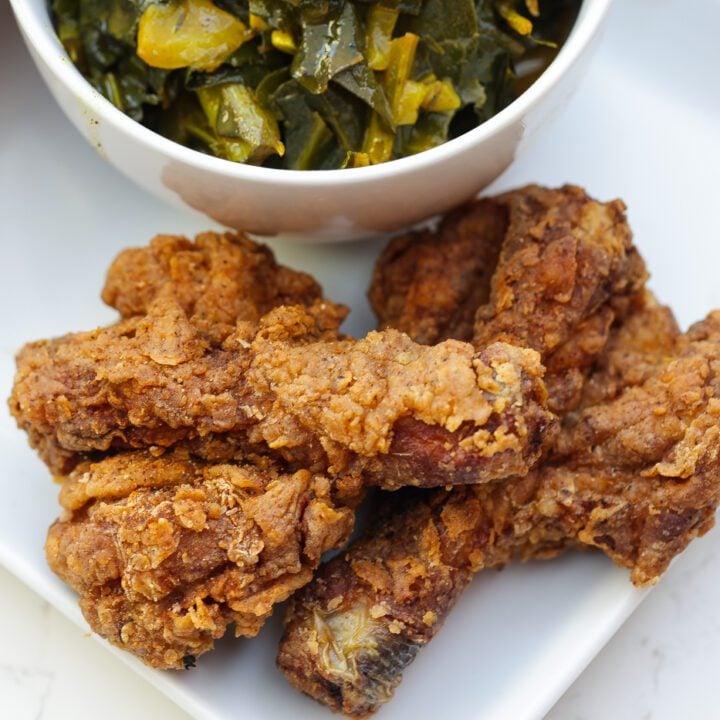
(309, 142)
(312, 84)
(327, 49)
(362, 82)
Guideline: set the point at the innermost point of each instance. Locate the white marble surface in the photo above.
(662, 664)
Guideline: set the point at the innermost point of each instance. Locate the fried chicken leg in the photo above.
(537, 267)
(165, 552)
(636, 475)
(176, 371)
(351, 632)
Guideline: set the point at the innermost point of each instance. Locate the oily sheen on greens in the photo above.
(311, 84)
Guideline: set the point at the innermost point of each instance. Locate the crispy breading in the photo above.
(148, 381)
(646, 336)
(285, 385)
(399, 413)
(179, 301)
(637, 476)
(430, 284)
(166, 551)
(564, 256)
(216, 279)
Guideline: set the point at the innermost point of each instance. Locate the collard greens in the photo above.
(311, 84)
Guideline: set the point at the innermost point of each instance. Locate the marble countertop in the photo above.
(661, 665)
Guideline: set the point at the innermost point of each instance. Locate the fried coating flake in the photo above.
(167, 551)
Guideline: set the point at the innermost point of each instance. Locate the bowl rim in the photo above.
(41, 35)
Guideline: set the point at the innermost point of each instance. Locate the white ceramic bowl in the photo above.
(330, 204)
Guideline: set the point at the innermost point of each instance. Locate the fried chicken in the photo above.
(610, 349)
(285, 384)
(167, 551)
(636, 475)
(540, 268)
(208, 286)
(215, 441)
(218, 280)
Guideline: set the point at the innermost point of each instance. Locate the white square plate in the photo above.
(644, 126)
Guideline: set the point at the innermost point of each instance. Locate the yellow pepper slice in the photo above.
(378, 141)
(440, 96)
(404, 95)
(189, 33)
(408, 105)
(257, 23)
(519, 23)
(283, 41)
(356, 159)
(380, 25)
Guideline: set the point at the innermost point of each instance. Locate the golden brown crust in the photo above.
(470, 416)
(564, 256)
(646, 335)
(350, 633)
(430, 284)
(217, 279)
(186, 307)
(166, 551)
(537, 267)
